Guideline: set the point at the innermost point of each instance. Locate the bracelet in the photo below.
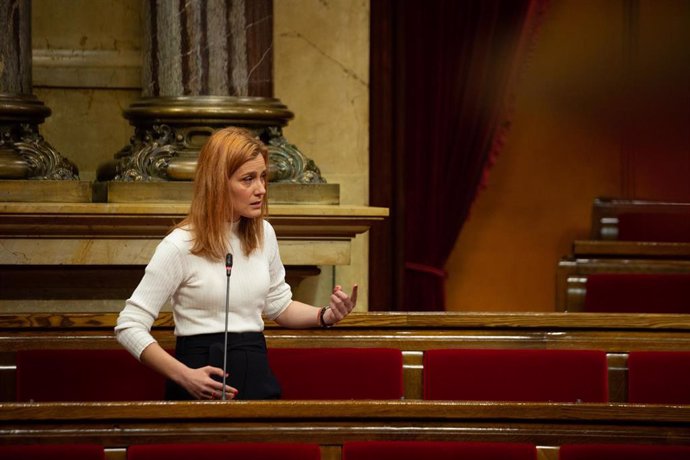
(323, 323)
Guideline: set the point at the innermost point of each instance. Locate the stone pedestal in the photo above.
(24, 154)
(170, 131)
(207, 65)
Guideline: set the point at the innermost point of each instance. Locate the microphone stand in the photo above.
(228, 270)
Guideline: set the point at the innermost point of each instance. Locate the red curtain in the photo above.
(457, 62)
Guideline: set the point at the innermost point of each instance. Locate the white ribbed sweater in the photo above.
(197, 288)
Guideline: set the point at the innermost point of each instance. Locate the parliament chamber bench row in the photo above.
(450, 356)
(351, 450)
(618, 219)
(656, 377)
(332, 424)
(615, 285)
(636, 260)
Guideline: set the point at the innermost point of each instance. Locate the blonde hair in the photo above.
(212, 208)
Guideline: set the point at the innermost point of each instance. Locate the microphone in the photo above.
(228, 264)
(228, 271)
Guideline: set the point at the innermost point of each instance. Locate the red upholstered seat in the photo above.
(516, 375)
(623, 452)
(659, 377)
(52, 452)
(225, 451)
(85, 375)
(638, 293)
(669, 227)
(436, 450)
(338, 373)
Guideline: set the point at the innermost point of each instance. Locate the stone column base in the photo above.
(170, 131)
(24, 154)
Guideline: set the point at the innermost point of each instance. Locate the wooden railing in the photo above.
(330, 423)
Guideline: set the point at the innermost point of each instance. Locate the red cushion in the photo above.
(638, 293)
(623, 452)
(659, 377)
(436, 450)
(516, 375)
(338, 373)
(660, 226)
(85, 375)
(52, 452)
(225, 451)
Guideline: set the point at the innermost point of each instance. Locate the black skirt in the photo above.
(247, 364)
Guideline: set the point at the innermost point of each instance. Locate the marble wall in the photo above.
(321, 71)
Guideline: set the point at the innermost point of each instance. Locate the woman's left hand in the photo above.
(340, 305)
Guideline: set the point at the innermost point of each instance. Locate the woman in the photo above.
(226, 216)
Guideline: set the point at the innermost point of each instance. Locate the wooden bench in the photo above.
(573, 274)
(640, 220)
(331, 423)
(413, 333)
(637, 229)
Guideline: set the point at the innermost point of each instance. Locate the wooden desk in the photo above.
(330, 423)
(630, 249)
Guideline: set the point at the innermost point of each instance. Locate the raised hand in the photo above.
(340, 305)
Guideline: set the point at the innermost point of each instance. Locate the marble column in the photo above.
(24, 154)
(207, 64)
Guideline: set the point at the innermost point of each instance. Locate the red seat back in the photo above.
(52, 452)
(338, 373)
(225, 451)
(516, 375)
(85, 375)
(638, 293)
(669, 227)
(659, 377)
(623, 452)
(436, 450)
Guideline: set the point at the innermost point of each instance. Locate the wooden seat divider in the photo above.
(412, 333)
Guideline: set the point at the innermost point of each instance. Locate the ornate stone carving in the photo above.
(170, 131)
(34, 158)
(287, 163)
(148, 155)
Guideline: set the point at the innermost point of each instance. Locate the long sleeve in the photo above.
(279, 292)
(162, 277)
